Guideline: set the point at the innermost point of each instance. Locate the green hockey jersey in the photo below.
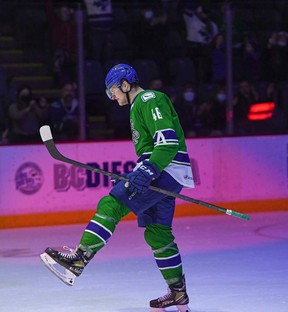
(158, 136)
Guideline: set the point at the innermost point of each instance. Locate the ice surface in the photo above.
(230, 265)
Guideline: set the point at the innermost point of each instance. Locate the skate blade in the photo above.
(66, 277)
(183, 308)
(179, 308)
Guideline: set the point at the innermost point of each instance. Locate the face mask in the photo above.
(189, 96)
(221, 97)
(25, 98)
(149, 14)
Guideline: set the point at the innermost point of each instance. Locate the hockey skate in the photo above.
(66, 266)
(176, 296)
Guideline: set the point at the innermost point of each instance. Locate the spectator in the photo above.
(63, 114)
(274, 58)
(268, 91)
(218, 59)
(26, 116)
(270, 94)
(200, 33)
(220, 103)
(187, 108)
(64, 41)
(245, 53)
(211, 114)
(246, 61)
(279, 121)
(173, 94)
(100, 23)
(151, 27)
(156, 84)
(239, 27)
(245, 96)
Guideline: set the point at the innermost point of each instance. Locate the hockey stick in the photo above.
(47, 139)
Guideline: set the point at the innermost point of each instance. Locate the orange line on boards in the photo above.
(77, 217)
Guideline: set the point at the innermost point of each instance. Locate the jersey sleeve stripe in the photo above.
(167, 133)
(181, 158)
(143, 157)
(165, 137)
(167, 142)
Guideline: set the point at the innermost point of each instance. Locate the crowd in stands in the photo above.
(178, 47)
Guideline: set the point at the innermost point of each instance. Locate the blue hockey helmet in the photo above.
(117, 74)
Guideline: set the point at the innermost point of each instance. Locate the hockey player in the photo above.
(163, 162)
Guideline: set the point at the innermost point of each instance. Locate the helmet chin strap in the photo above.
(128, 97)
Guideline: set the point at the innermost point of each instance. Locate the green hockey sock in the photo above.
(166, 252)
(102, 225)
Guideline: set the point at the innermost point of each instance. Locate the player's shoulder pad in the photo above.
(148, 95)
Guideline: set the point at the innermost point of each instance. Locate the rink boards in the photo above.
(247, 174)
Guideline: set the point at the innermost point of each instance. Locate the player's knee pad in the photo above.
(107, 205)
(110, 207)
(158, 236)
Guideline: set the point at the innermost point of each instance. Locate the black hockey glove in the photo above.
(141, 178)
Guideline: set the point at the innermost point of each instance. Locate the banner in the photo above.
(225, 170)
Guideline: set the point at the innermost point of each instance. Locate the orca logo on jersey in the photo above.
(147, 96)
(135, 133)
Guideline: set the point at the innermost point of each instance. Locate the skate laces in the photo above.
(165, 297)
(73, 252)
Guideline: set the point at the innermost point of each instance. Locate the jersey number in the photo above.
(156, 114)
